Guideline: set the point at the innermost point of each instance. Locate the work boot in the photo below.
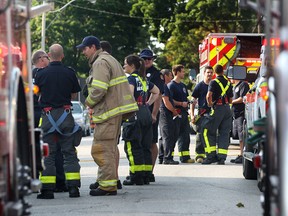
(171, 162)
(46, 194)
(74, 192)
(160, 161)
(152, 178)
(221, 161)
(209, 160)
(237, 160)
(96, 185)
(199, 160)
(133, 181)
(189, 161)
(61, 189)
(100, 192)
(119, 185)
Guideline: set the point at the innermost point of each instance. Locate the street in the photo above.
(185, 189)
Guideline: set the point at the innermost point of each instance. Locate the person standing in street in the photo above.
(179, 93)
(40, 59)
(199, 96)
(137, 131)
(153, 75)
(111, 100)
(167, 126)
(106, 46)
(240, 89)
(219, 97)
(58, 84)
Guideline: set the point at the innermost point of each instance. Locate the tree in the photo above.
(108, 20)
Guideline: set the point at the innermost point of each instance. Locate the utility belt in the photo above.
(222, 101)
(47, 110)
(142, 104)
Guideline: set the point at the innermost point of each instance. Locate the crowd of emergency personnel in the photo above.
(135, 97)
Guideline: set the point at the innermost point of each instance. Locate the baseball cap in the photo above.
(88, 41)
(147, 53)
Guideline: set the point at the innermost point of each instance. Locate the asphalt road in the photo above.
(185, 189)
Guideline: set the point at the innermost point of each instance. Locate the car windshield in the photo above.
(76, 108)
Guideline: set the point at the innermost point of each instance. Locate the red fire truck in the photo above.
(229, 49)
(21, 148)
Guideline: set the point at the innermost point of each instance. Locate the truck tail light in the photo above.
(45, 149)
(257, 161)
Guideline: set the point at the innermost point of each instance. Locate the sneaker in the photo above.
(221, 161)
(74, 192)
(189, 161)
(199, 160)
(46, 194)
(100, 192)
(209, 160)
(237, 158)
(171, 162)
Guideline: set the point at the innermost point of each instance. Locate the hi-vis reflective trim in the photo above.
(118, 80)
(222, 151)
(184, 153)
(100, 84)
(47, 179)
(114, 112)
(108, 183)
(212, 112)
(40, 122)
(148, 167)
(144, 84)
(200, 155)
(89, 100)
(72, 176)
(216, 54)
(172, 153)
(134, 168)
(208, 148)
(224, 90)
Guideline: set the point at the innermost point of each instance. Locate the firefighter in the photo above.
(218, 98)
(111, 100)
(137, 131)
(199, 96)
(179, 93)
(58, 124)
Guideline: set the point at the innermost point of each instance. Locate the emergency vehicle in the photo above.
(271, 131)
(228, 49)
(21, 148)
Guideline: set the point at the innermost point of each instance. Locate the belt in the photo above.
(48, 109)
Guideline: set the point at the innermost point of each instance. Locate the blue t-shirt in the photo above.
(167, 94)
(139, 94)
(178, 91)
(200, 92)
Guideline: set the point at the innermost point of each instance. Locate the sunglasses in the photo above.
(149, 59)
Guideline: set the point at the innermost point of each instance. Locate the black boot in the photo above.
(74, 192)
(46, 194)
(133, 181)
(100, 192)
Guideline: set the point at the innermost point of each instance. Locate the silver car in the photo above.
(81, 116)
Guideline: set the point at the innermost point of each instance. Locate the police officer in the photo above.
(153, 75)
(179, 93)
(137, 131)
(58, 84)
(199, 93)
(218, 98)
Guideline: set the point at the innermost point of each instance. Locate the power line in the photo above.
(155, 18)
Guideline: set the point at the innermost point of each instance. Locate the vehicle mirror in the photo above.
(237, 72)
(192, 74)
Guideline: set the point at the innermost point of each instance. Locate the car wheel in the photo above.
(249, 171)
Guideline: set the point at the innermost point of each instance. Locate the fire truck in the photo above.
(21, 149)
(271, 131)
(228, 49)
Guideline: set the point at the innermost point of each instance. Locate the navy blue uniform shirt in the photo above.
(200, 92)
(56, 83)
(139, 94)
(240, 90)
(167, 94)
(178, 91)
(216, 89)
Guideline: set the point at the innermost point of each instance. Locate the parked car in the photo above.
(81, 116)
